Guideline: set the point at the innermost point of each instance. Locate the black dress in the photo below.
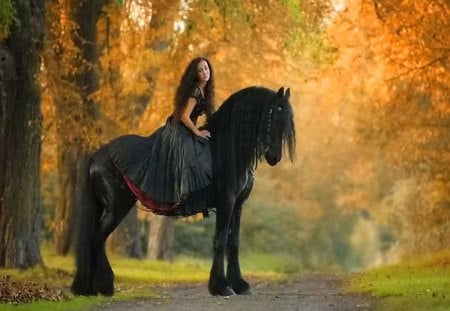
(170, 171)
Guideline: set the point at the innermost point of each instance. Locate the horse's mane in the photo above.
(239, 130)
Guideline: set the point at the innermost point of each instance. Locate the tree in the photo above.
(396, 57)
(160, 238)
(414, 117)
(20, 137)
(71, 59)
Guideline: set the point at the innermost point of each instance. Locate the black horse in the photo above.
(252, 124)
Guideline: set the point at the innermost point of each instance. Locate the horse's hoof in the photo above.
(106, 293)
(247, 292)
(227, 291)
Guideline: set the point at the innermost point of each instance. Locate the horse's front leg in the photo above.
(239, 285)
(234, 276)
(218, 283)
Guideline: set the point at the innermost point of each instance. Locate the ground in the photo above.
(315, 292)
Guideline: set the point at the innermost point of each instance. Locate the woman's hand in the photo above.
(204, 134)
(186, 120)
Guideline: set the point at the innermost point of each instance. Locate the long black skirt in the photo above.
(170, 171)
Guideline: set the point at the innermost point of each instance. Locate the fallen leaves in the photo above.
(14, 291)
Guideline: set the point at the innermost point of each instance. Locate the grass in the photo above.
(137, 278)
(414, 284)
(268, 265)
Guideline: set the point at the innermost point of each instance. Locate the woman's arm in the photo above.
(186, 120)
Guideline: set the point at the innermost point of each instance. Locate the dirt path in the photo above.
(307, 293)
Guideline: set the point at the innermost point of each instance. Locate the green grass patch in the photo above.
(135, 271)
(414, 284)
(268, 265)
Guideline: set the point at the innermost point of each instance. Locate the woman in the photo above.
(170, 171)
(195, 95)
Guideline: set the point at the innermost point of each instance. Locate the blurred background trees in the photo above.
(370, 90)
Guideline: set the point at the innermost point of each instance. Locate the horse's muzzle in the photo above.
(272, 160)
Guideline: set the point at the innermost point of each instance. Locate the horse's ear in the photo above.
(288, 93)
(280, 92)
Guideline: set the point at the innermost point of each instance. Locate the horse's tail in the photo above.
(87, 230)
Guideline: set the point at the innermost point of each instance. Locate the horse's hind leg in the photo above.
(117, 203)
(103, 276)
(103, 281)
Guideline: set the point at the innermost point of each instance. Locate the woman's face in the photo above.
(203, 71)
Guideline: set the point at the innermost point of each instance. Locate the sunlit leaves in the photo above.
(407, 120)
(307, 36)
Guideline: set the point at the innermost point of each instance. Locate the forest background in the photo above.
(370, 90)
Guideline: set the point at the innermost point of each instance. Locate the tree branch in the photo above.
(418, 68)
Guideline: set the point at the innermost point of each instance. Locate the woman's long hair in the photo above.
(187, 84)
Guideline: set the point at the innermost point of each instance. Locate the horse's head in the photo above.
(279, 128)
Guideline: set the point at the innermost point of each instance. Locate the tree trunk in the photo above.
(160, 238)
(75, 109)
(126, 240)
(20, 141)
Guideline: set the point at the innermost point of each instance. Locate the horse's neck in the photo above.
(243, 159)
(234, 169)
